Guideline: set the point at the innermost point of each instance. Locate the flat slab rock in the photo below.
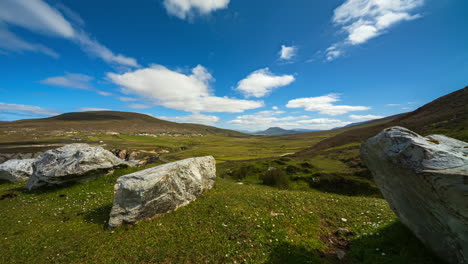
(161, 189)
(16, 170)
(72, 163)
(425, 181)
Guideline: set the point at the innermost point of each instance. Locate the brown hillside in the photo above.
(446, 115)
(120, 122)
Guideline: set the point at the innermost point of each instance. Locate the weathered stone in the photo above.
(161, 189)
(16, 170)
(425, 181)
(72, 163)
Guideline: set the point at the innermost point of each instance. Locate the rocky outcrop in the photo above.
(16, 170)
(425, 181)
(161, 189)
(72, 163)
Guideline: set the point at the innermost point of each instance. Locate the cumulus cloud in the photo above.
(26, 110)
(37, 16)
(362, 20)
(208, 120)
(324, 105)
(365, 117)
(71, 80)
(172, 89)
(265, 119)
(188, 8)
(287, 53)
(261, 82)
(91, 109)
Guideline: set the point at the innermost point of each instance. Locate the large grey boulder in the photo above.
(72, 163)
(161, 189)
(16, 170)
(425, 181)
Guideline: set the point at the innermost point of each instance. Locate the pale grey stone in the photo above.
(16, 170)
(72, 163)
(425, 181)
(161, 189)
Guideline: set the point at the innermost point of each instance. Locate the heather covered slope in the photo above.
(114, 121)
(446, 115)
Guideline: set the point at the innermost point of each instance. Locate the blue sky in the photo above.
(245, 65)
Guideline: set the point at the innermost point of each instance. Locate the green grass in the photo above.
(231, 223)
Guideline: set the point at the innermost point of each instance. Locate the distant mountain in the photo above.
(114, 121)
(278, 131)
(447, 115)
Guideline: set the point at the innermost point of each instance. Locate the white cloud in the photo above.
(208, 120)
(324, 105)
(138, 106)
(287, 53)
(365, 117)
(265, 119)
(261, 82)
(393, 104)
(30, 110)
(274, 108)
(188, 8)
(176, 90)
(363, 20)
(127, 99)
(11, 42)
(91, 109)
(104, 93)
(37, 16)
(70, 80)
(94, 48)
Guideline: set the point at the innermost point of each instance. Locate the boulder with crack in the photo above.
(151, 192)
(16, 170)
(72, 163)
(425, 181)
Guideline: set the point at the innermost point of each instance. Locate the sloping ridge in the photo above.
(115, 121)
(446, 115)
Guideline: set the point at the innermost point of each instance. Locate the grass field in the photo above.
(231, 223)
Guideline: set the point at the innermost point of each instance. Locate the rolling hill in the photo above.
(277, 131)
(447, 115)
(114, 121)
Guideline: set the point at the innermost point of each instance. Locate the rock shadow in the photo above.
(286, 253)
(99, 216)
(392, 244)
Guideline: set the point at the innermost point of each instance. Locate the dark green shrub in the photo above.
(275, 177)
(279, 162)
(291, 169)
(242, 172)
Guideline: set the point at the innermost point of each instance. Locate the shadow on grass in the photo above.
(394, 244)
(2, 182)
(286, 253)
(44, 189)
(343, 184)
(99, 216)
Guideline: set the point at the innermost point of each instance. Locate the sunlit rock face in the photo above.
(425, 181)
(151, 192)
(16, 170)
(72, 163)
